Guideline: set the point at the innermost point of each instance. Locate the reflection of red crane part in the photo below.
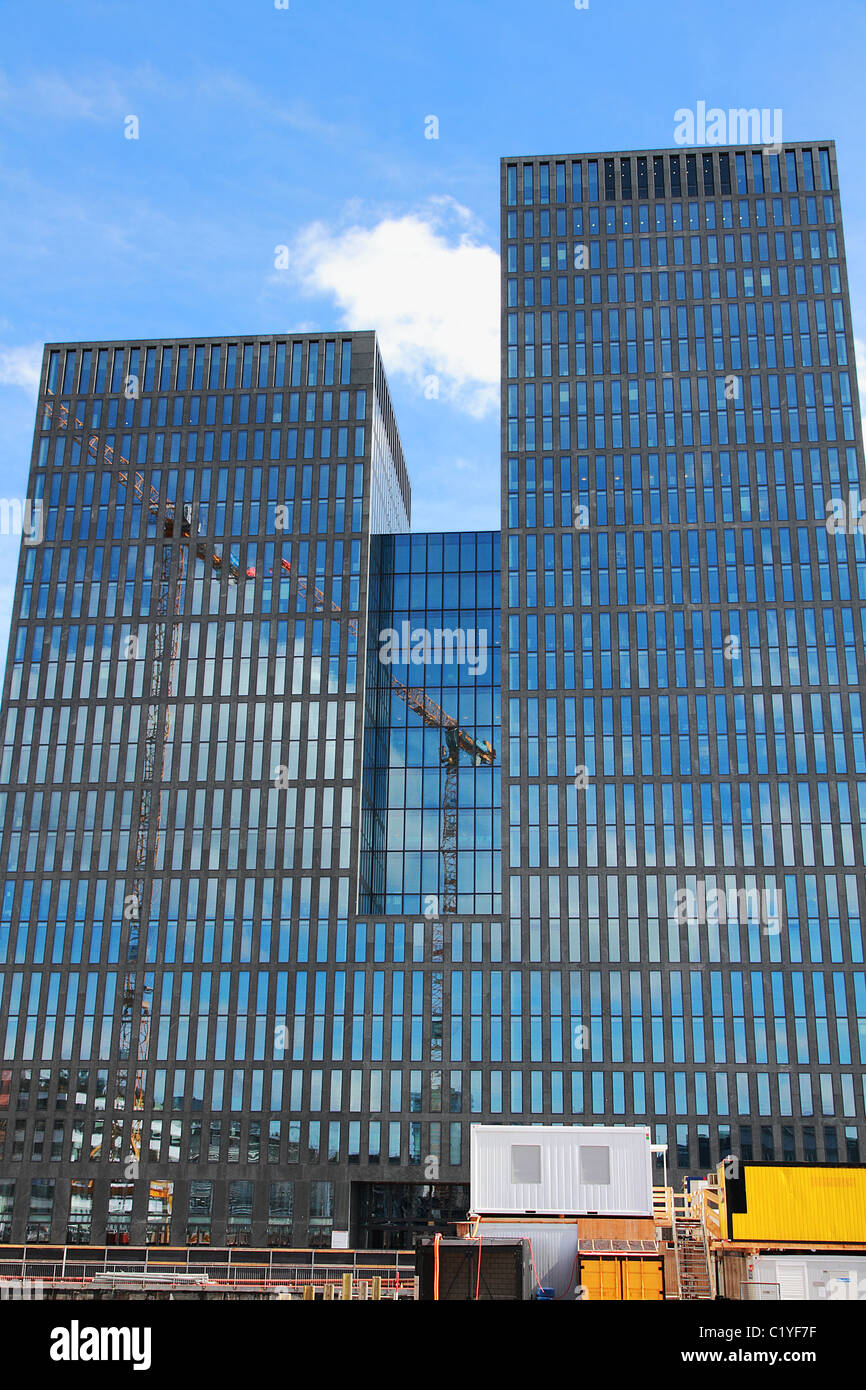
(154, 501)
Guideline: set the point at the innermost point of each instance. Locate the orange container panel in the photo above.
(616, 1279)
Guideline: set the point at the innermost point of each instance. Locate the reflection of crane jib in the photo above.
(457, 740)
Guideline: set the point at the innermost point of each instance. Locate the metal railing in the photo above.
(246, 1269)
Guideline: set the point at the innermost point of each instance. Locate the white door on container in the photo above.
(792, 1280)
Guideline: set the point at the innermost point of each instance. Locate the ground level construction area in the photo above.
(553, 1213)
(63, 1272)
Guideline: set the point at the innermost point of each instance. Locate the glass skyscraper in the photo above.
(302, 877)
(685, 649)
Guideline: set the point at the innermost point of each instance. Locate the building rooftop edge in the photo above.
(664, 149)
(214, 338)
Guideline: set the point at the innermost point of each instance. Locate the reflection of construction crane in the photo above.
(480, 751)
(132, 904)
(456, 739)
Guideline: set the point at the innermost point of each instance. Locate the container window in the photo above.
(594, 1162)
(526, 1163)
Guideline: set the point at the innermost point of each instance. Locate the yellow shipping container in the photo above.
(799, 1204)
(609, 1279)
(642, 1279)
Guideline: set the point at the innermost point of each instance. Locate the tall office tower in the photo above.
(181, 784)
(683, 650)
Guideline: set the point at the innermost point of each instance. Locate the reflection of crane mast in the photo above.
(133, 905)
(456, 739)
(481, 752)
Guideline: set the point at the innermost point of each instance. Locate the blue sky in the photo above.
(304, 127)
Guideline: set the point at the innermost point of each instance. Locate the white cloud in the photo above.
(427, 285)
(20, 366)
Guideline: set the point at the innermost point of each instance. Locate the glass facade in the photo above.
(433, 629)
(300, 879)
(685, 641)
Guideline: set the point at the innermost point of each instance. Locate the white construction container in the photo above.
(786, 1277)
(554, 1250)
(560, 1170)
